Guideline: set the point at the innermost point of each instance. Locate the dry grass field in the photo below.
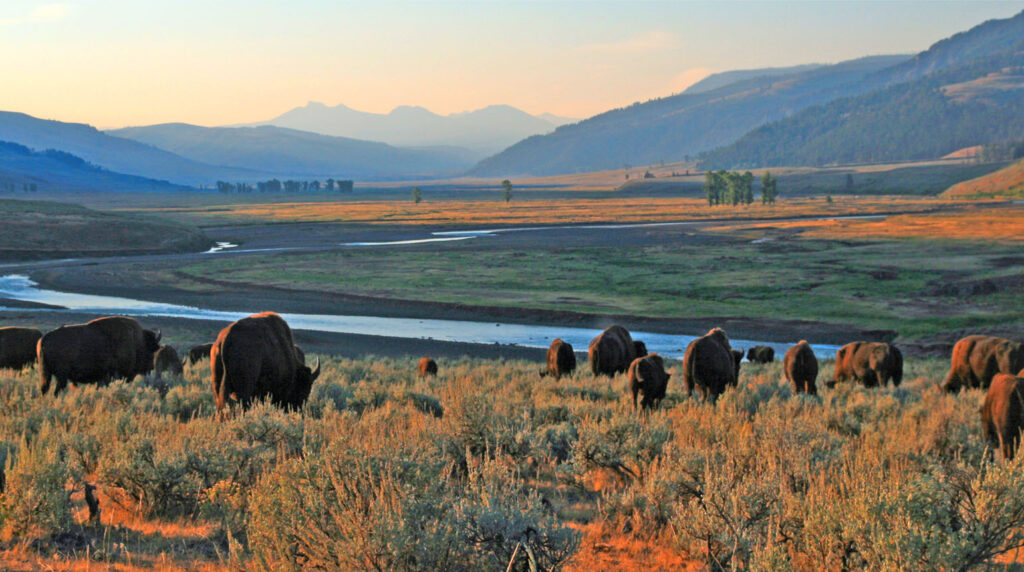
(1005, 183)
(383, 470)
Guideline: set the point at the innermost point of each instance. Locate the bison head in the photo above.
(640, 348)
(304, 378)
(152, 340)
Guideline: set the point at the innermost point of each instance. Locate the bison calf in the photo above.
(427, 366)
(761, 354)
(1002, 415)
(561, 359)
(647, 376)
(801, 368)
(870, 363)
(166, 361)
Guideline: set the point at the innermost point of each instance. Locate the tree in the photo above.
(769, 188)
(330, 186)
(747, 185)
(849, 181)
(507, 185)
(417, 195)
(345, 186)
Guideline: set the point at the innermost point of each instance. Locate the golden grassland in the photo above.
(552, 211)
(989, 223)
(1007, 182)
(386, 470)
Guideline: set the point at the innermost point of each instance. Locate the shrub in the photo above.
(35, 500)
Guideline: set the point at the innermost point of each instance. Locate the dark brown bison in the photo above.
(561, 359)
(427, 366)
(198, 353)
(870, 363)
(254, 358)
(801, 368)
(737, 357)
(709, 365)
(18, 346)
(611, 351)
(1002, 414)
(761, 354)
(639, 348)
(166, 361)
(977, 359)
(95, 352)
(647, 376)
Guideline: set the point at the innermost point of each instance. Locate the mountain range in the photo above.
(482, 132)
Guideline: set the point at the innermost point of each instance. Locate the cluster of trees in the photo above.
(997, 152)
(734, 188)
(12, 187)
(289, 186)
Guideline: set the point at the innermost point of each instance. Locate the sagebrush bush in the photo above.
(35, 500)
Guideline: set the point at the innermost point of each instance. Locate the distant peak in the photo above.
(315, 105)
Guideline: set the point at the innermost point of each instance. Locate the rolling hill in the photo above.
(979, 100)
(22, 169)
(291, 153)
(686, 124)
(1004, 183)
(113, 153)
(482, 132)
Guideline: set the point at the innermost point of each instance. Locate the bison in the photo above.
(18, 346)
(761, 354)
(561, 359)
(737, 357)
(647, 376)
(870, 363)
(254, 358)
(197, 353)
(95, 352)
(977, 359)
(710, 365)
(1002, 414)
(166, 361)
(801, 368)
(427, 366)
(612, 351)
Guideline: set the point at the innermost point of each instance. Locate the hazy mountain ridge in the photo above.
(285, 152)
(673, 127)
(51, 170)
(722, 79)
(482, 131)
(943, 109)
(113, 153)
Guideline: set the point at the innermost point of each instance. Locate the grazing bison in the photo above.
(639, 348)
(710, 365)
(95, 352)
(1002, 415)
(647, 376)
(200, 352)
(801, 368)
(18, 346)
(166, 361)
(761, 354)
(255, 357)
(611, 351)
(870, 363)
(561, 359)
(427, 366)
(977, 359)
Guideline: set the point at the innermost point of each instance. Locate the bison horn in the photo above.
(159, 335)
(316, 372)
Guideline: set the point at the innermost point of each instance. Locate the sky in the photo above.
(114, 63)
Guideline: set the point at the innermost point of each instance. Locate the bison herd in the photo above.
(256, 358)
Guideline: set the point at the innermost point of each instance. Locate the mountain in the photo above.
(113, 153)
(291, 153)
(22, 169)
(963, 91)
(483, 131)
(717, 80)
(681, 125)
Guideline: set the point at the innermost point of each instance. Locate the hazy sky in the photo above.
(211, 62)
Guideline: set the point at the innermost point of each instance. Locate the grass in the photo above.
(921, 288)
(1005, 183)
(42, 229)
(764, 479)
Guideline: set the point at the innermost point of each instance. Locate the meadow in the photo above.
(488, 464)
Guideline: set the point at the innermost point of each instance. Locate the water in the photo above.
(20, 287)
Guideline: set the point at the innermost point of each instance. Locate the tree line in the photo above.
(734, 188)
(289, 186)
